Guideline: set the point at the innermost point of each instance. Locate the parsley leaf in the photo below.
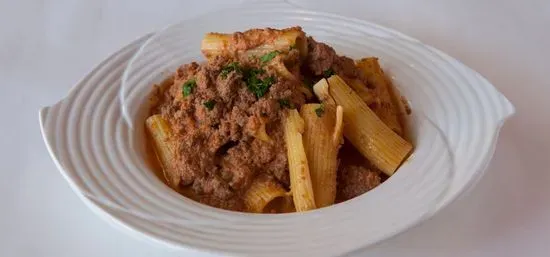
(256, 85)
(285, 103)
(320, 111)
(209, 104)
(234, 66)
(188, 87)
(292, 47)
(269, 56)
(329, 72)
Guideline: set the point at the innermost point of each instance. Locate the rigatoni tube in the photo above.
(300, 180)
(368, 96)
(254, 42)
(322, 139)
(261, 193)
(362, 127)
(385, 109)
(165, 147)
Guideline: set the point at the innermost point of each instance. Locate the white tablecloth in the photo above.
(48, 45)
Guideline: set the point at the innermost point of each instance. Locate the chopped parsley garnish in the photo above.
(269, 56)
(209, 104)
(285, 103)
(188, 87)
(329, 72)
(320, 111)
(256, 85)
(234, 66)
(254, 72)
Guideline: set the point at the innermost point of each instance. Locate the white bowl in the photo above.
(96, 137)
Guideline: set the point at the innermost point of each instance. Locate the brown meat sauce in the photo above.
(218, 154)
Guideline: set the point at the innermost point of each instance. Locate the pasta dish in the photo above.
(276, 122)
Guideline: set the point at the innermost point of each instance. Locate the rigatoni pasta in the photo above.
(402, 108)
(385, 108)
(261, 193)
(322, 139)
(254, 42)
(369, 96)
(165, 147)
(278, 65)
(300, 180)
(376, 141)
(261, 133)
(288, 39)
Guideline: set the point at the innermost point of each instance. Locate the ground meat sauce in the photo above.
(215, 114)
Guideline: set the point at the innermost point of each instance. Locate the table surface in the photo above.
(48, 45)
